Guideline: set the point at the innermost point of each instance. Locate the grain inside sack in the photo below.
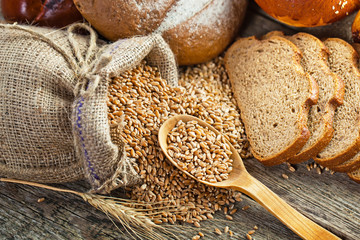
(53, 113)
(142, 100)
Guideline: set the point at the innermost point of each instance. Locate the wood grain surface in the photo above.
(331, 200)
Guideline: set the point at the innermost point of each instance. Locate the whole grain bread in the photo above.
(274, 95)
(354, 162)
(345, 143)
(331, 93)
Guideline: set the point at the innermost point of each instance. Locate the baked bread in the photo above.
(354, 162)
(273, 93)
(331, 93)
(345, 142)
(308, 13)
(349, 165)
(196, 31)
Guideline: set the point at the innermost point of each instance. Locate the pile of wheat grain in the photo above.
(142, 100)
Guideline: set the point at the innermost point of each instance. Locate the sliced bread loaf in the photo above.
(345, 142)
(331, 93)
(273, 93)
(354, 162)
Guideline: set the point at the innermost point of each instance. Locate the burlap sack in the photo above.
(53, 112)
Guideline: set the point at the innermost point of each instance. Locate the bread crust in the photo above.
(191, 47)
(354, 163)
(303, 132)
(335, 101)
(194, 40)
(354, 148)
(108, 16)
(347, 166)
(308, 13)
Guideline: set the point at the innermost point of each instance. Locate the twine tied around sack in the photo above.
(88, 71)
(89, 66)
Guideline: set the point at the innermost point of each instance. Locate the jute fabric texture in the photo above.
(53, 112)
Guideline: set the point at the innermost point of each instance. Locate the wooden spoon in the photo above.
(240, 180)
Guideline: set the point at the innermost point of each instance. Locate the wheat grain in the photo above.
(217, 164)
(142, 101)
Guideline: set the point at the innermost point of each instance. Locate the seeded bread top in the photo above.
(344, 144)
(273, 93)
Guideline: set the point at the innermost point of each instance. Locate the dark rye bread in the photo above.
(273, 93)
(345, 143)
(353, 163)
(331, 93)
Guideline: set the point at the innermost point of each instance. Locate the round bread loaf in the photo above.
(196, 31)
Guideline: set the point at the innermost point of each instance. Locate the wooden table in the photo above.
(331, 200)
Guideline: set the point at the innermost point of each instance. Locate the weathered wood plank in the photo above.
(329, 200)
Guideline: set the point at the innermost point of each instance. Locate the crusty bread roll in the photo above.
(196, 31)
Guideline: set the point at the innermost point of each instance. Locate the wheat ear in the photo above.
(134, 220)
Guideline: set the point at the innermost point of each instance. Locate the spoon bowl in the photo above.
(240, 180)
(238, 165)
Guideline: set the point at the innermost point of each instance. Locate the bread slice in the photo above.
(355, 175)
(331, 93)
(273, 93)
(354, 162)
(346, 139)
(347, 166)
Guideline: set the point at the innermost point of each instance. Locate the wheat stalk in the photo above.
(134, 220)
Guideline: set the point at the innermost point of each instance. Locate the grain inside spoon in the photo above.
(239, 179)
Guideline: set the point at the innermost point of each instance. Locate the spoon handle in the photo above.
(298, 223)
